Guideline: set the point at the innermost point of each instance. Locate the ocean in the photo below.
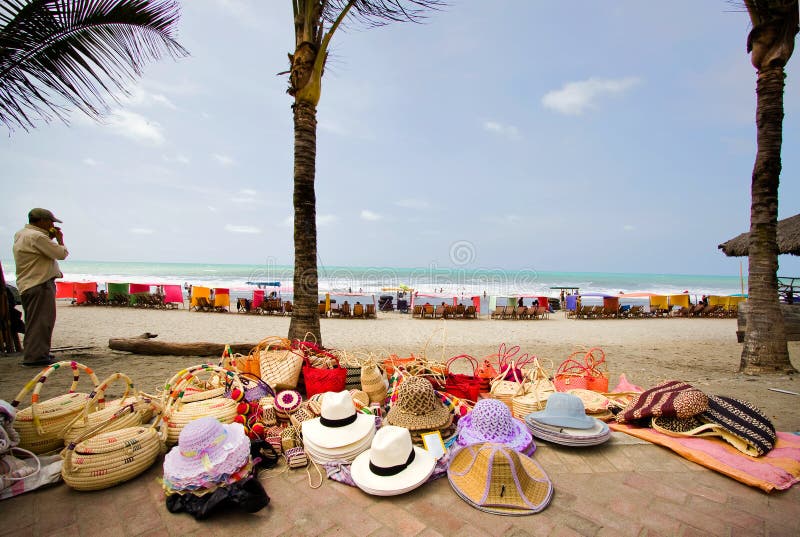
(376, 280)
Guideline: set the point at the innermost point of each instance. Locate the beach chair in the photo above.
(370, 314)
(199, 300)
(521, 312)
(222, 300)
(322, 310)
(470, 313)
(173, 296)
(288, 308)
(508, 312)
(438, 312)
(427, 311)
(344, 311)
(416, 311)
(498, 312)
(358, 311)
(118, 294)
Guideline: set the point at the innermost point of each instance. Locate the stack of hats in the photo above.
(340, 433)
(499, 480)
(392, 465)
(564, 421)
(209, 454)
(420, 410)
(491, 421)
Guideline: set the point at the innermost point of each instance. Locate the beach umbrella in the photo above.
(788, 239)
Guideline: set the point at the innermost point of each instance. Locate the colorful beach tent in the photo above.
(173, 294)
(476, 300)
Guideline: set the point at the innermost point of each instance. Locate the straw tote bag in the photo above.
(280, 365)
(571, 375)
(323, 379)
(463, 386)
(41, 425)
(103, 458)
(505, 390)
(97, 411)
(535, 389)
(596, 370)
(202, 402)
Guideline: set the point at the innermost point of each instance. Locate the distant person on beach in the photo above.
(535, 302)
(519, 302)
(37, 248)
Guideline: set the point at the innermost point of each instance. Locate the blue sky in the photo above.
(575, 136)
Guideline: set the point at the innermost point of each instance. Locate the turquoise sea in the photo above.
(459, 281)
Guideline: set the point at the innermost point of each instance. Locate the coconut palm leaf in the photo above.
(78, 50)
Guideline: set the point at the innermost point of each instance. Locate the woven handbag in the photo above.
(280, 365)
(41, 425)
(596, 370)
(104, 459)
(570, 375)
(178, 412)
(321, 380)
(535, 389)
(97, 411)
(463, 385)
(505, 390)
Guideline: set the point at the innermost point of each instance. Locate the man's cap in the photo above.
(41, 214)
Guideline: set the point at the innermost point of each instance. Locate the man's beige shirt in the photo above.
(35, 255)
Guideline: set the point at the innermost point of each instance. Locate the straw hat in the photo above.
(392, 465)
(491, 421)
(373, 383)
(564, 410)
(207, 453)
(497, 479)
(418, 408)
(593, 402)
(339, 424)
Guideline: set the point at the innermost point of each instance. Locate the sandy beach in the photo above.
(703, 352)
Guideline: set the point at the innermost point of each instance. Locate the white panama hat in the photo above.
(339, 424)
(393, 465)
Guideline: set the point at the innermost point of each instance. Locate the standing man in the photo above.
(36, 255)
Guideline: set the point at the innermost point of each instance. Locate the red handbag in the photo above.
(463, 386)
(319, 380)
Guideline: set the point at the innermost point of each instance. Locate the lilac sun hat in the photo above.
(491, 421)
(207, 453)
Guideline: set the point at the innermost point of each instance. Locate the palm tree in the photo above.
(315, 22)
(771, 43)
(78, 51)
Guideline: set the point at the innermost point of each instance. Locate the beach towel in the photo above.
(779, 469)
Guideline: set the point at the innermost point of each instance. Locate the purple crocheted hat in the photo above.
(491, 421)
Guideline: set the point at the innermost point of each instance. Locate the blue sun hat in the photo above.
(564, 410)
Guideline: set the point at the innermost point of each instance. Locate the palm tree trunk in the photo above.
(765, 348)
(305, 315)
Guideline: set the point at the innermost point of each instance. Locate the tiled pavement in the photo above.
(627, 487)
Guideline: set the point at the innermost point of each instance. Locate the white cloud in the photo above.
(138, 96)
(142, 231)
(508, 131)
(575, 97)
(412, 203)
(223, 160)
(628, 227)
(135, 126)
(90, 161)
(245, 196)
(370, 216)
(212, 209)
(248, 192)
(241, 229)
(326, 219)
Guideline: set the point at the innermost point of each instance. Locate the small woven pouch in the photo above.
(290, 437)
(296, 457)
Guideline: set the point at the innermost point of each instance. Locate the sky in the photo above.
(564, 136)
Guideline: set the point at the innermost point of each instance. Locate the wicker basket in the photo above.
(97, 411)
(105, 459)
(280, 366)
(534, 391)
(41, 425)
(505, 390)
(178, 412)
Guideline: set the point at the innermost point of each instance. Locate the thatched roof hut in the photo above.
(788, 239)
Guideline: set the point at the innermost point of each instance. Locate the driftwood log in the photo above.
(145, 344)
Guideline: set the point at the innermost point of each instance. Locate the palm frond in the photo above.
(373, 13)
(79, 50)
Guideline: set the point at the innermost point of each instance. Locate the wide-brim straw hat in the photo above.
(206, 450)
(568, 436)
(564, 410)
(491, 421)
(497, 479)
(339, 424)
(344, 453)
(418, 408)
(392, 465)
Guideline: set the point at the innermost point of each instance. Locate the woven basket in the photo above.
(535, 389)
(97, 411)
(112, 457)
(41, 425)
(280, 365)
(178, 412)
(505, 390)
(571, 375)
